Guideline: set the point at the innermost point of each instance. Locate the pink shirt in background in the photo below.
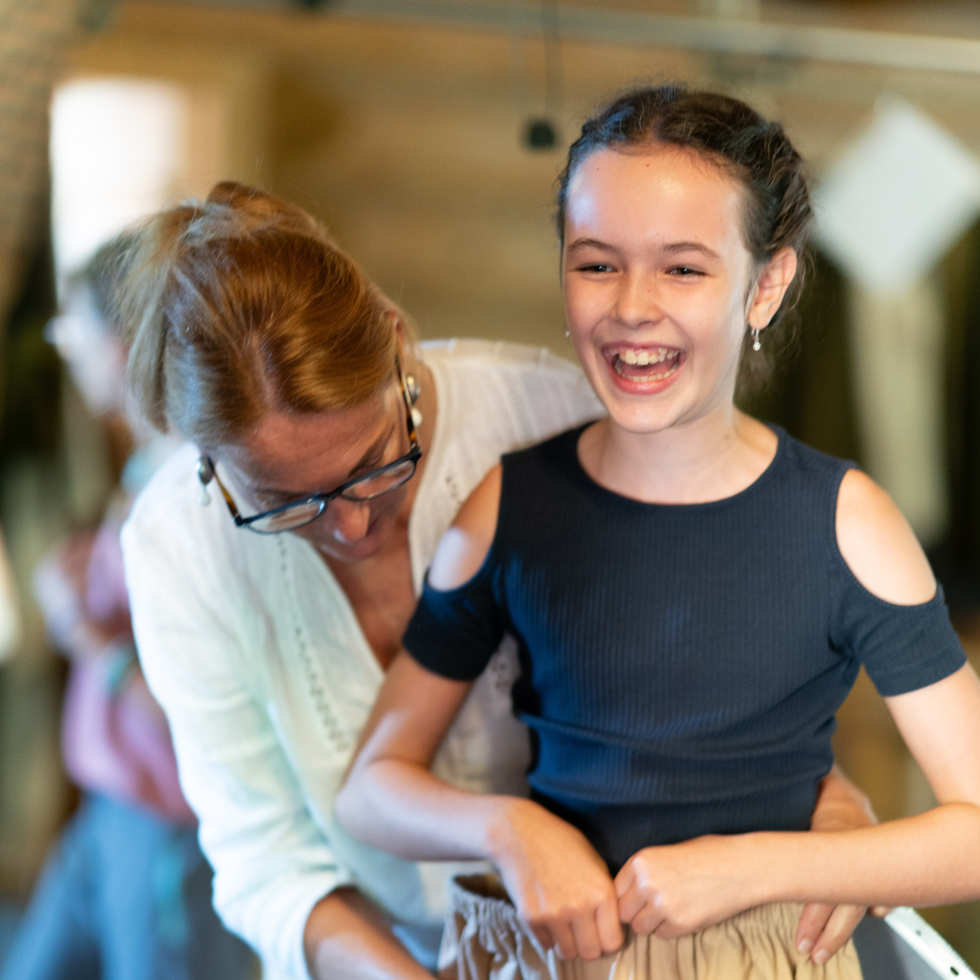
(117, 742)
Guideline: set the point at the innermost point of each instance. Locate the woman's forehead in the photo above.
(656, 191)
(299, 451)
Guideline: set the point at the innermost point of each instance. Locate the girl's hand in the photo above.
(680, 888)
(560, 886)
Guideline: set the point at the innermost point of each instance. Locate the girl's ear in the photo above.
(771, 287)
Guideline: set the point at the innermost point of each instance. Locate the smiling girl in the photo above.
(692, 592)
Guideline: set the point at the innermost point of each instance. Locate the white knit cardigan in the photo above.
(254, 652)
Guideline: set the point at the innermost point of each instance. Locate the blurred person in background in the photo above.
(10, 626)
(274, 561)
(126, 891)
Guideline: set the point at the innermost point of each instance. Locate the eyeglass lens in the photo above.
(373, 486)
(289, 518)
(296, 515)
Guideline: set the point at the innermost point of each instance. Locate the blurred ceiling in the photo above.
(929, 35)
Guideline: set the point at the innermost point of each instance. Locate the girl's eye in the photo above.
(595, 267)
(683, 271)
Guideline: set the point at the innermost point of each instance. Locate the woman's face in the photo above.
(291, 456)
(656, 279)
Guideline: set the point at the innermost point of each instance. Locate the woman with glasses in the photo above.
(274, 562)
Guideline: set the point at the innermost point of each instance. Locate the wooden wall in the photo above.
(406, 140)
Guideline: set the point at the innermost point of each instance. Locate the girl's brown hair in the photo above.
(728, 133)
(242, 304)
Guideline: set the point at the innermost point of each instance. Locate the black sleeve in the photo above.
(455, 633)
(904, 648)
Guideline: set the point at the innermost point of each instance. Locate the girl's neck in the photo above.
(709, 458)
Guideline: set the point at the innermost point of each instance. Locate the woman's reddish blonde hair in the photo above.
(241, 305)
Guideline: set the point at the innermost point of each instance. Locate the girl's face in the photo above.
(658, 284)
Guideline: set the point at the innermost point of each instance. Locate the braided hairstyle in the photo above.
(733, 136)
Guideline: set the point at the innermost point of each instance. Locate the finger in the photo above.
(630, 903)
(648, 919)
(608, 926)
(625, 879)
(586, 936)
(843, 921)
(812, 921)
(564, 940)
(880, 911)
(542, 934)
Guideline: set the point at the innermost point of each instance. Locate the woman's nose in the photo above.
(348, 520)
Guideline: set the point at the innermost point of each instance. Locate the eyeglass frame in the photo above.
(206, 472)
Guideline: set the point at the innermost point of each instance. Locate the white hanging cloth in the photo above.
(897, 342)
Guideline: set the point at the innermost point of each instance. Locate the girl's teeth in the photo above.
(644, 357)
(672, 359)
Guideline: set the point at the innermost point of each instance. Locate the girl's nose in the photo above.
(637, 302)
(348, 520)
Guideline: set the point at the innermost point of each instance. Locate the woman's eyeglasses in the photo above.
(294, 515)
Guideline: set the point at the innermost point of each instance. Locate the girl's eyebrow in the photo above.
(671, 249)
(580, 243)
(675, 247)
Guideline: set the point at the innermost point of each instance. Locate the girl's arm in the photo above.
(558, 883)
(930, 859)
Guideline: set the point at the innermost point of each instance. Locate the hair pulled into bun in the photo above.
(242, 304)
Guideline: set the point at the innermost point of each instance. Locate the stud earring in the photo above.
(756, 343)
(567, 334)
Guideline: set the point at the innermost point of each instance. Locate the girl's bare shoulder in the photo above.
(878, 545)
(465, 545)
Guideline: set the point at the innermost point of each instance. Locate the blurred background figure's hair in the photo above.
(102, 276)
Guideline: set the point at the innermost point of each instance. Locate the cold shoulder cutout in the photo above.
(464, 547)
(878, 545)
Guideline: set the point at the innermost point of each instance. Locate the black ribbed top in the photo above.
(681, 664)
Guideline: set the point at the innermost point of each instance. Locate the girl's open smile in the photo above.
(637, 369)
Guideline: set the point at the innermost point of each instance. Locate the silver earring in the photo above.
(756, 343)
(205, 473)
(567, 334)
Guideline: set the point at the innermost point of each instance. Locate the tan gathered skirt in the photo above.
(484, 940)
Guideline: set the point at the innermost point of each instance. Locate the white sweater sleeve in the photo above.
(271, 861)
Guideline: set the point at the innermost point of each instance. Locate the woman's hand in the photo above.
(560, 886)
(680, 888)
(823, 929)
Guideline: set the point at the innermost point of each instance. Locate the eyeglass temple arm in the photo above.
(206, 472)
